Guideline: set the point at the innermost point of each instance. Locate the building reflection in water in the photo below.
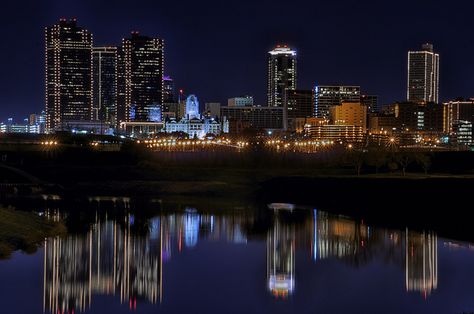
(126, 258)
(108, 260)
(358, 244)
(113, 258)
(421, 262)
(281, 258)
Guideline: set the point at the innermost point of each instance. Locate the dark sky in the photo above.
(217, 49)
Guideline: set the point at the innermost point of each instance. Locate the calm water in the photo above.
(213, 261)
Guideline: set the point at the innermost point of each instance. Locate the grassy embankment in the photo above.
(24, 231)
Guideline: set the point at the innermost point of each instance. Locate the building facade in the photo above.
(326, 96)
(104, 76)
(281, 74)
(349, 113)
(459, 110)
(423, 75)
(258, 118)
(371, 102)
(192, 123)
(68, 53)
(168, 90)
(141, 66)
(240, 101)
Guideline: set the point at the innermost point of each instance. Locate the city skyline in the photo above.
(328, 63)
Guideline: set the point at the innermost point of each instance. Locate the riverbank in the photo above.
(24, 231)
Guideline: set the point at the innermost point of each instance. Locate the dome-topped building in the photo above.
(192, 123)
(192, 108)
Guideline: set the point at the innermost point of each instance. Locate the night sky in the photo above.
(218, 50)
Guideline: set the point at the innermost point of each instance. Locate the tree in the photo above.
(424, 160)
(404, 159)
(356, 158)
(377, 157)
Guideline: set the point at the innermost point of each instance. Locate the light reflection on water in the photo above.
(127, 259)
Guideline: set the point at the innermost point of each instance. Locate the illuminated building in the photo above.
(104, 63)
(240, 101)
(462, 133)
(192, 107)
(300, 104)
(327, 96)
(349, 113)
(456, 111)
(32, 126)
(281, 74)
(170, 106)
(420, 117)
(337, 133)
(371, 102)
(168, 90)
(140, 79)
(68, 74)
(423, 75)
(193, 124)
(255, 117)
(38, 121)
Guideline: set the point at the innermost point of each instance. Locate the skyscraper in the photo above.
(104, 62)
(168, 90)
(140, 81)
(281, 74)
(327, 96)
(68, 74)
(423, 75)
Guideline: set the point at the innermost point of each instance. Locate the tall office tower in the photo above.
(423, 75)
(168, 90)
(68, 74)
(328, 96)
(140, 78)
(281, 74)
(104, 64)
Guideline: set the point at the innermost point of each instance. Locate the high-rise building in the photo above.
(68, 74)
(240, 101)
(423, 75)
(140, 78)
(104, 63)
(168, 90)
(327, 96)
(281, 74)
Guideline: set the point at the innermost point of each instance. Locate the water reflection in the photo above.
(126, 257)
